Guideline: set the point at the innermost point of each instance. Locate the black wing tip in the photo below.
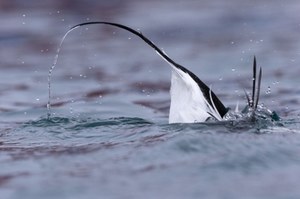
(253, 81)
(258, 88)
(256, 85)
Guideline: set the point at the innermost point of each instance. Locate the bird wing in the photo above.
(201, 101)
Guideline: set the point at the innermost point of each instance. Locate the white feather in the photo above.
(213, 110)
(188, 104)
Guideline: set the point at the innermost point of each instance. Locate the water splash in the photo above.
(52, 68)
(262, 117)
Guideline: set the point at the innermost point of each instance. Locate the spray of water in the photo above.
(52, 68)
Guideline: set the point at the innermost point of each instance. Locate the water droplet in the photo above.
(232, 42)
(24, 15)
(220, 78)
(233, 69)
(268, 90)
(58, 12)
(129, 38)
(286, 107)
(37, 99)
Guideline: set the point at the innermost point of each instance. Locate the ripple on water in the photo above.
(128, 150)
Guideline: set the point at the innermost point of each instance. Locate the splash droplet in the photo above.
(268, 90)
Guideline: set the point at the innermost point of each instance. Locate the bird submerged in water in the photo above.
(191, 99)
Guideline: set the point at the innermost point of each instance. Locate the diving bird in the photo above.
(191, 99)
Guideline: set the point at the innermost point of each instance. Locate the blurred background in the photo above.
(215, 39)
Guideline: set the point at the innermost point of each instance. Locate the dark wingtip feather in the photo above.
(247, 97)
(253, 82)
(258, 89)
